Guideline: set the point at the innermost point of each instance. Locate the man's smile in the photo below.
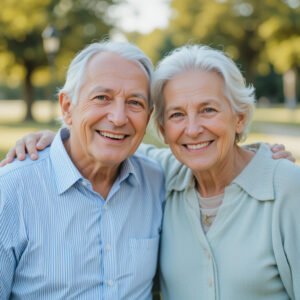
(111, 135)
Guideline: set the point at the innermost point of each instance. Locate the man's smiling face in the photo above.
(109, 121)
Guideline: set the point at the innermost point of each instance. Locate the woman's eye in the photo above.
(208, 110)
(176, 115)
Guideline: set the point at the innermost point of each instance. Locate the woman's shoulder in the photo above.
(287, 174)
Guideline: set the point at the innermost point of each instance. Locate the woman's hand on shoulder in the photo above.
(31, 144)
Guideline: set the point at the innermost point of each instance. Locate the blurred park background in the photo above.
(38, 38)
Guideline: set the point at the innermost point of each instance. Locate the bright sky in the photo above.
(142, 15)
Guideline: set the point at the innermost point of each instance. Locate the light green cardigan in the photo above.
(252, 250)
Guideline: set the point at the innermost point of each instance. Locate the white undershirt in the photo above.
(209, 208)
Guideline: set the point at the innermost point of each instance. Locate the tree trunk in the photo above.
(289, 88)
(28, 94)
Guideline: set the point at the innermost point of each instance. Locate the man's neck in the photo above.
(101, 177)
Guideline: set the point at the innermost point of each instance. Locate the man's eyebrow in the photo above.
(140, 95)
(101, 89)
(107, 90)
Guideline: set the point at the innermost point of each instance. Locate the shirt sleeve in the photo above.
(286, 226)
(163, 156)
(10, 246)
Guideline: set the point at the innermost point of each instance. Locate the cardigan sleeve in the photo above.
(171, 166)
(286, 226)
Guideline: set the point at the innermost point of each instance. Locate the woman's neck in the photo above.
(212, 182)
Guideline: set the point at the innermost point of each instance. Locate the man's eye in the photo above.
(102, 97)
(136, 103)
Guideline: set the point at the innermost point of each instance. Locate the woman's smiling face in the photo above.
(199, 123)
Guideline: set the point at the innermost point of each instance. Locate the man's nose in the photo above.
(118, 114)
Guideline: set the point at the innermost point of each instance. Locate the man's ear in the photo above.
(66, 106)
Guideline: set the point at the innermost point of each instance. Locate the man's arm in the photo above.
(7, 257)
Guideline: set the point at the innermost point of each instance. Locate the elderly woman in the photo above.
(231, 228)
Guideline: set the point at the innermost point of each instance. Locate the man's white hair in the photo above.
(76, 71)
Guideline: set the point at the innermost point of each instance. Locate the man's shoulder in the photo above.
(23, 167)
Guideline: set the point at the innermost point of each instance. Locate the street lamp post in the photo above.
(51, 44)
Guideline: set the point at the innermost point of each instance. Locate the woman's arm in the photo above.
(33, 142)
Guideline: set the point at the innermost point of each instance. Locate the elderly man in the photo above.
(83, 221)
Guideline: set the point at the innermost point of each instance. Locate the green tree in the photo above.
(257, 34)
(232, 24)
(282, 35)
(21, 25)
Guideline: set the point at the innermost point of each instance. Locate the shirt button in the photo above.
(108, 247)
(210, 282)
(207, 254)
(110, 283)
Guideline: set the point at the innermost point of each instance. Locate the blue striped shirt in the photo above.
(59, 239)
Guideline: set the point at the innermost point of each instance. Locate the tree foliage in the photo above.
(251, 31)
(21, 25)
(258, 34)
(262, 36)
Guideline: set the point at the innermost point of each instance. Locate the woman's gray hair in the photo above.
(76, 71)
(204, 58)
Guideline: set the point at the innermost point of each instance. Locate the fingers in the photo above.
(277, 148)
(30, 144)
(9, 157)
(44, 139)
(33, 142)
(284, 154)
(19, 150)
(280, 152)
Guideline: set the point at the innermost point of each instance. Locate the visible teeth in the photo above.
(113, 136)
(198, 146)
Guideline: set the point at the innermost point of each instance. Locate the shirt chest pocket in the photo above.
(144, 258)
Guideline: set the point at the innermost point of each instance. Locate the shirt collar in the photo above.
(128, 170)
(66, 173)
(256, 179)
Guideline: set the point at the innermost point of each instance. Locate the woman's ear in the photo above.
(240, 124)
(66, 106)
